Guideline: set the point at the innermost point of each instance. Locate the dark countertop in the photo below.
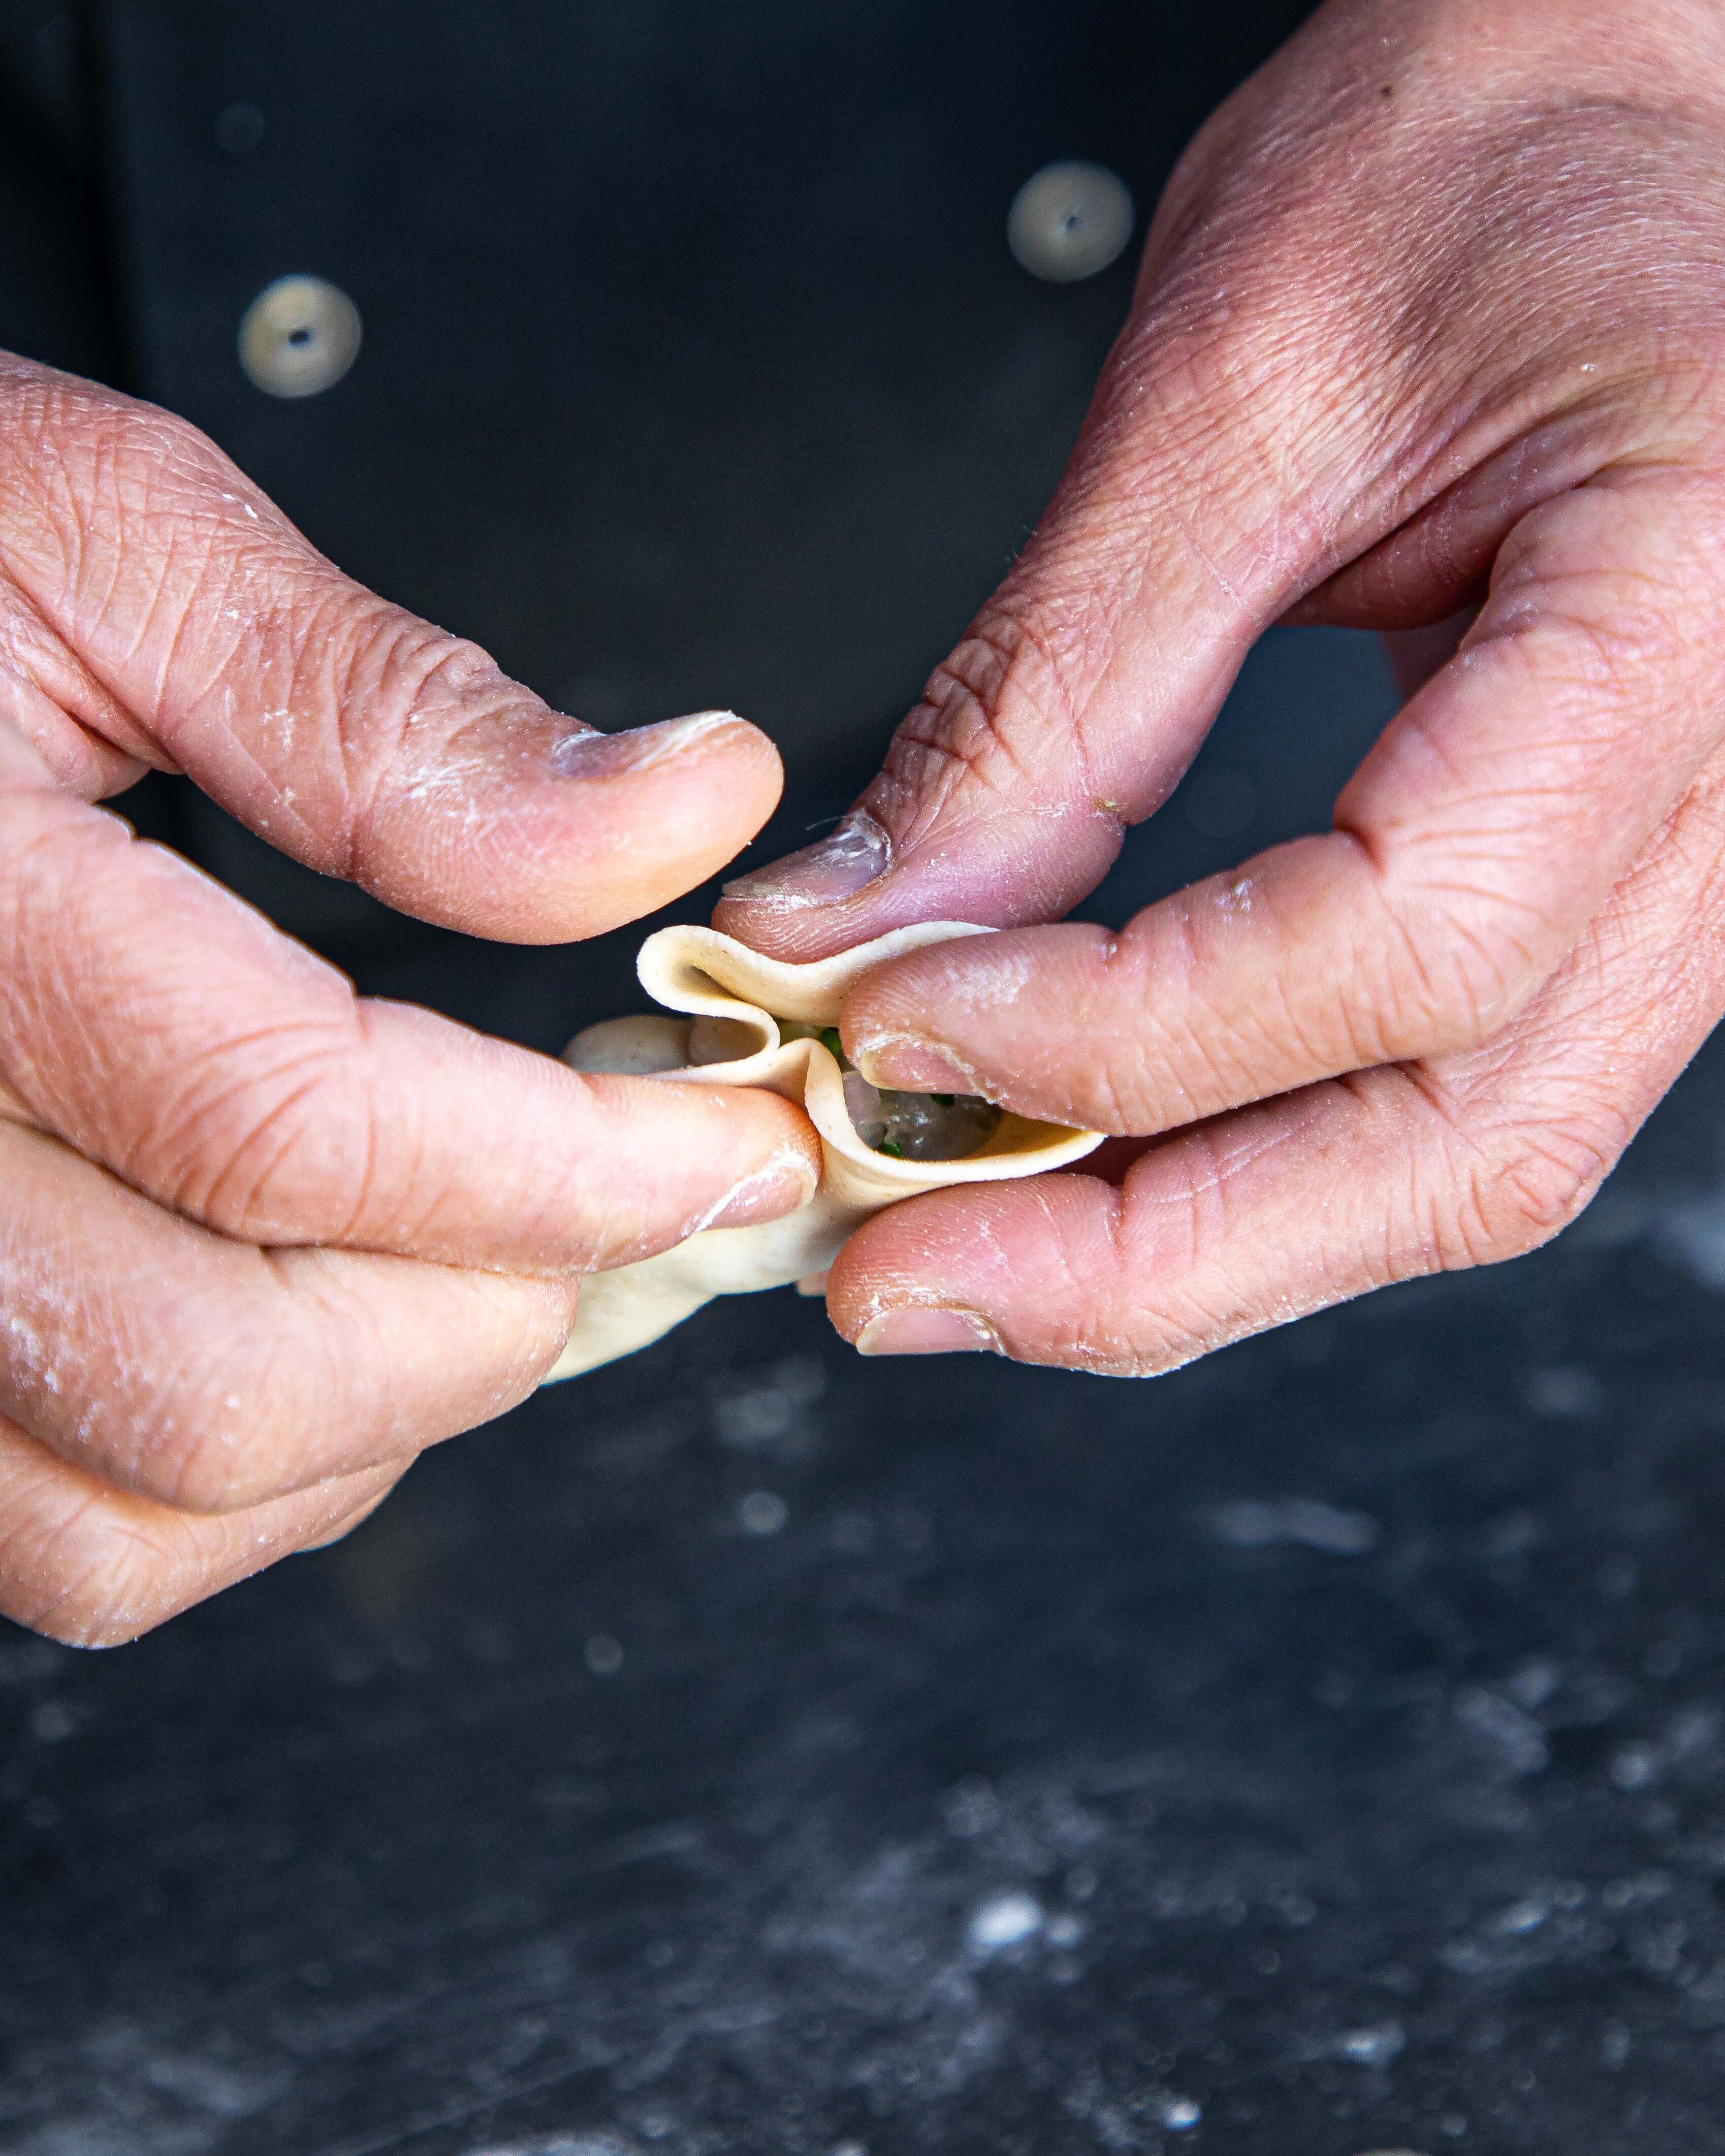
(1318, 1750)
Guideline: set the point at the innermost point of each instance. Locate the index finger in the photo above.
(1480, 837)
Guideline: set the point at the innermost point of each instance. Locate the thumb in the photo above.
(1197, 504)
(1082, 689)
(157, 604)
(1315, 356)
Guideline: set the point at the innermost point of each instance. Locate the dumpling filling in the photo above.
(906, 1126)
(902, 1126)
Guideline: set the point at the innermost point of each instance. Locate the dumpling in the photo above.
(750, 1020)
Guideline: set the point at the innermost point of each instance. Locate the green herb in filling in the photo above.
(904, 1126)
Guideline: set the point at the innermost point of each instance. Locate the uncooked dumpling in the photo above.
(750, 1020)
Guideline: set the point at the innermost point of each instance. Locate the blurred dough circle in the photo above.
(1069, 221)
(299, 336)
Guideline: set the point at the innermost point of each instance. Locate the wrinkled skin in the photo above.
(1428, 339)
(263, 1241)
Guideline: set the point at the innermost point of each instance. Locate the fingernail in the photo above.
(839, 865)
(768, 1194)
(910, 1065)
(585, 753)
(928, 1331)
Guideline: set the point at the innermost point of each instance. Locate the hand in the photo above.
(263, 1241)
(1431, 320)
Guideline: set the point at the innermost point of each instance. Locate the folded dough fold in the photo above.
(733, 998)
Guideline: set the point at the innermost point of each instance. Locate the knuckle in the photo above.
(1470, 977)
(416, 664)
(1216, 1049)
(401, 672)
(1106, 1334)
(1460, 955)
(101, 1579)
(1115, 1297)
(999, 715)
(199, 1454)
(1532, 1185)
(406, 694)
(273, 1139)
(368, 705)
(199, 1469)
(227, 1418)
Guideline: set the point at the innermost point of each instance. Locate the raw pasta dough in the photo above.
(734, 998)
